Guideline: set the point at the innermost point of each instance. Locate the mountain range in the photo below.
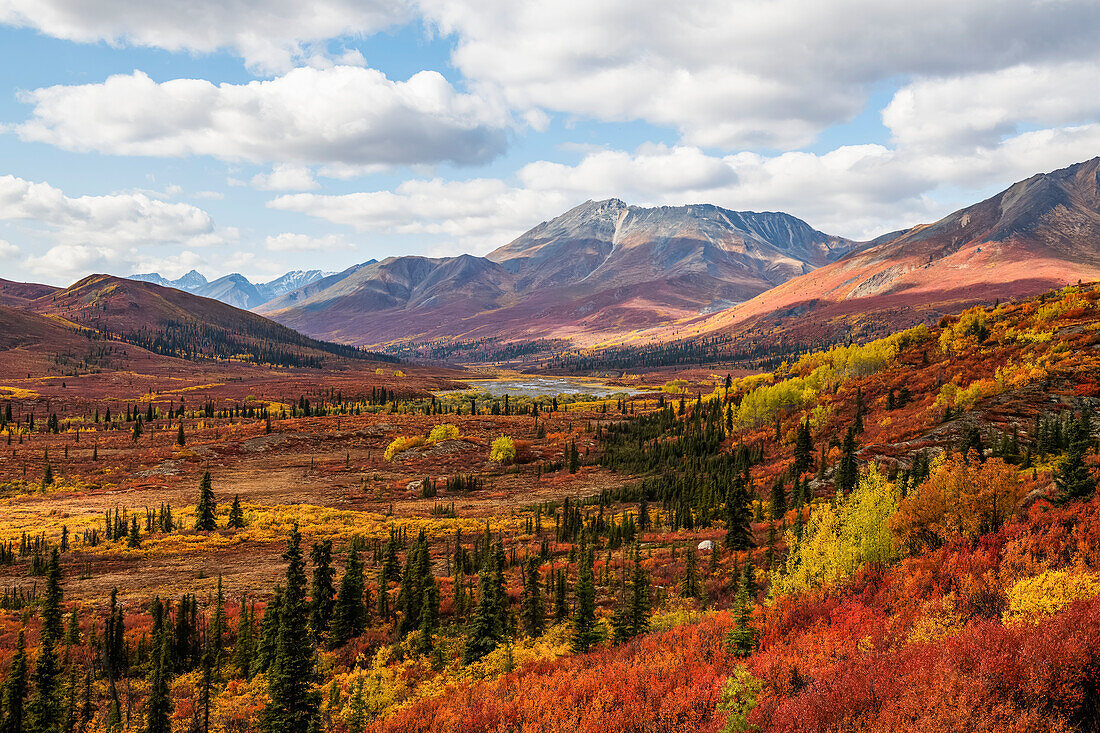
(1040, 233)
(607, 274)
(235, 289)
(601, 267)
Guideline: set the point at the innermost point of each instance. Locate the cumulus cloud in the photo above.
(286, 178)
(343, 116)
(288, 242)
(131, 218)
(741, 73)
(100, 232)
(978, 110)
(475, 215)
(859, 191)
(7, 250)
(271, 35)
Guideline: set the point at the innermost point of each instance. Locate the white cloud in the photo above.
(981, 109)
(7, 250)
(859, 191)
(96, 233)
(286, 177)
(742, 73)
(476, 215)
(344, 116)
(288, 242)
(271, 35)
(107, 221)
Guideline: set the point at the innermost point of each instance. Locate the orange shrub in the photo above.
(960, 499)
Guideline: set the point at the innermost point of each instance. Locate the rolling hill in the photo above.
(172, 322)
(16, 294)
(602, 267)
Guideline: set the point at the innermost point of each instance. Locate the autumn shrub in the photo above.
(402, 443)
(959, 499)
(503, 450)
(673, 678)
(446, 431)
(1031, 599)
(840, 538)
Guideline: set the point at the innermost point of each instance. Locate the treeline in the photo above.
(252, 341)
(763, 354)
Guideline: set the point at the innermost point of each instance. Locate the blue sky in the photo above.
(263, 135)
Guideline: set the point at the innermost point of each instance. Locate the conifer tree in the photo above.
(483, 632)
(15, 690)
(158, 705)
(72, 632)
(561, 591)
(44, 709)
(246, 630)
(500, 595)
(741, 640)
(322, 590)
(181, 439)
(779, 498)
(1072, 479)
(349, 615)
(204, 513)
(585, 632)
(236, 514)
(216, 638)
(632, 618)
(134, 537)
(429, 618)
(738, 516)
(383, 605)
(532, 614)
(973, 442)
(264, 653)
(72, 691)
(689, 584)
(294, 703)
(803, 450)
(847, 472)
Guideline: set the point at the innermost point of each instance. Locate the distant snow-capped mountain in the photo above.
(235, 289)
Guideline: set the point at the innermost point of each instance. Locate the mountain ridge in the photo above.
(1040, 233)
(234, 288)
(602, 264)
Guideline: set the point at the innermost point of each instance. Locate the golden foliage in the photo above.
(446, 431)
(1032, 599)
(959, 499)
(503, 450)
(402, 443)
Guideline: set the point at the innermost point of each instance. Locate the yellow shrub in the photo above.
(503, 450)
(402, 443)
(446, 431)
(1031, 599)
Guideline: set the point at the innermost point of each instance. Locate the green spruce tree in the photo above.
(322, 590)
(532, 612)
(44, 711)
(205, 512)
(585, 631)
(15, 690)
(293, 703)
(1072, 478)
(350, 613)
(236, 514)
